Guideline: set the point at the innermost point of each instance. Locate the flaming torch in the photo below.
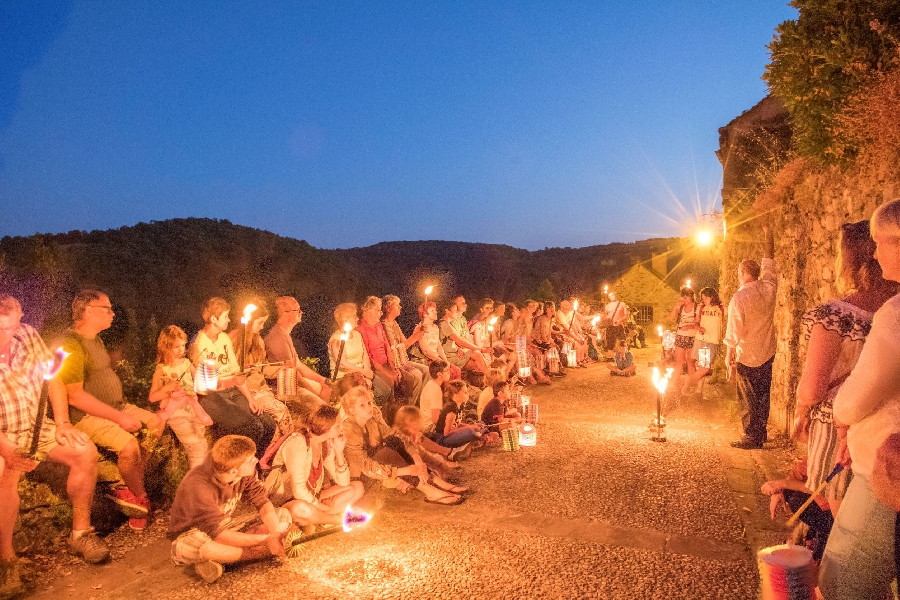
(660, 382)
(245, 320)
(490, 330)
(51, 368)
(428, 291)
(293, 542)
(337, 364)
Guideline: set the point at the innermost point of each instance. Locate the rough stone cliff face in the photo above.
(805, 205)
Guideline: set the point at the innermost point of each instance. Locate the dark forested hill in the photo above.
(161, 272)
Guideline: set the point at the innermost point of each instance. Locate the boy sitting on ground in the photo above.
(497, 411)
(201, 524)
(623, 361)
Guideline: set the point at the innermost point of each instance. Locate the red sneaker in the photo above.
(140, 524)
(128, 503)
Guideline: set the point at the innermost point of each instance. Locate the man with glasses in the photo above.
(24, 360)
(280, 348)
(96, 405)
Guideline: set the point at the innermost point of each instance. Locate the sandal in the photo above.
(454, 500)
(454, 489)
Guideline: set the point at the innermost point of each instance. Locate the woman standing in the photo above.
(708, 338)
(686, 315)
(859, 560)
(836, 332)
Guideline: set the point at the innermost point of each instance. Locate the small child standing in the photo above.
(173, 389)
(202, 527)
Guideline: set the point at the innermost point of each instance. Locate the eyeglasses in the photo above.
(108, 309)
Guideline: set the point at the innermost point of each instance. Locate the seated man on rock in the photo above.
(97, 406)
(24, 361)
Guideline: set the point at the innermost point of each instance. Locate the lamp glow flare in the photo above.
(53, 366)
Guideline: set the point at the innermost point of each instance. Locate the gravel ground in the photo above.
(594, 464)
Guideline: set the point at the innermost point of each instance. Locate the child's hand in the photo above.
(338, 444)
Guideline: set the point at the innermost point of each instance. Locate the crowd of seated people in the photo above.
(396, 411)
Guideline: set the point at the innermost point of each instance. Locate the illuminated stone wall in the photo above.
(805, 206)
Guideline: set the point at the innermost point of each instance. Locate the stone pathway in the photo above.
(595, 510)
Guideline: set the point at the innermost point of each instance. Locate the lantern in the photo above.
(287, 382)
(207, 377)
(571, 358)
(703, 357)
(510, 439)
(524, 372)
(553, 360)
(530, 412)
(528, 435)
(526, 400)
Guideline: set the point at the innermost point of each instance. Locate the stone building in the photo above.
(647, 291)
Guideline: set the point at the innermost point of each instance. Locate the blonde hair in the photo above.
(285, 304)
(231, 451)
(372, 302)
(166, 341)
(343, 312)
(349, 400)
(405, 417)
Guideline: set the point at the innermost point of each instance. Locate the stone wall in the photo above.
(805, 205)
(639, 286)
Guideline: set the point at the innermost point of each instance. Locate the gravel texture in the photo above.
(594, 464)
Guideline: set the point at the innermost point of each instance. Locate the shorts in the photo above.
(713, 350)
(106, 434)
(46, 443)
(614, 333)
(684, 341)
(187, 549)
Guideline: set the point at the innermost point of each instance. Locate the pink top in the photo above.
(375, 340)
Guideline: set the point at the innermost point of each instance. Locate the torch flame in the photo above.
(688, 283)
(594, 320)
(54, 365)
(493, 321)
(248, 311)
(605, 289)
(659, 330)
(575, 304)
(429, 289)
(660, 382)
(354, 520)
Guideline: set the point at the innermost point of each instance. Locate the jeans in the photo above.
(231, 415)
(753, 387)
(457, 438)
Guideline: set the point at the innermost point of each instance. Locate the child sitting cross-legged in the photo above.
(297, 478)
(497, 413)
(202, 524)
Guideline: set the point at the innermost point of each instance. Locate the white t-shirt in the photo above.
(432, 398)
(711, 323)
(219, 350)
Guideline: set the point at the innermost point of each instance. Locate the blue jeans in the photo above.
(457, 438)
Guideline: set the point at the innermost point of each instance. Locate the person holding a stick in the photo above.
(859, 558)
(28, 435)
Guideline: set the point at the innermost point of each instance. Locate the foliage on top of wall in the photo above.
(821, 59)
(870, 120)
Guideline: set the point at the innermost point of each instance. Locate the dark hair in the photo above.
(320, 420)
(81, 301)
(751, 268)
(686, 291)
(435, 368)
(498, 387)
(230, 452)
(857, 267)
(452, 388)
(713, 295)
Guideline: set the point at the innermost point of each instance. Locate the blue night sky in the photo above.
(525, 123)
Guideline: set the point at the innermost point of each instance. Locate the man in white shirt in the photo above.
(750, 339)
